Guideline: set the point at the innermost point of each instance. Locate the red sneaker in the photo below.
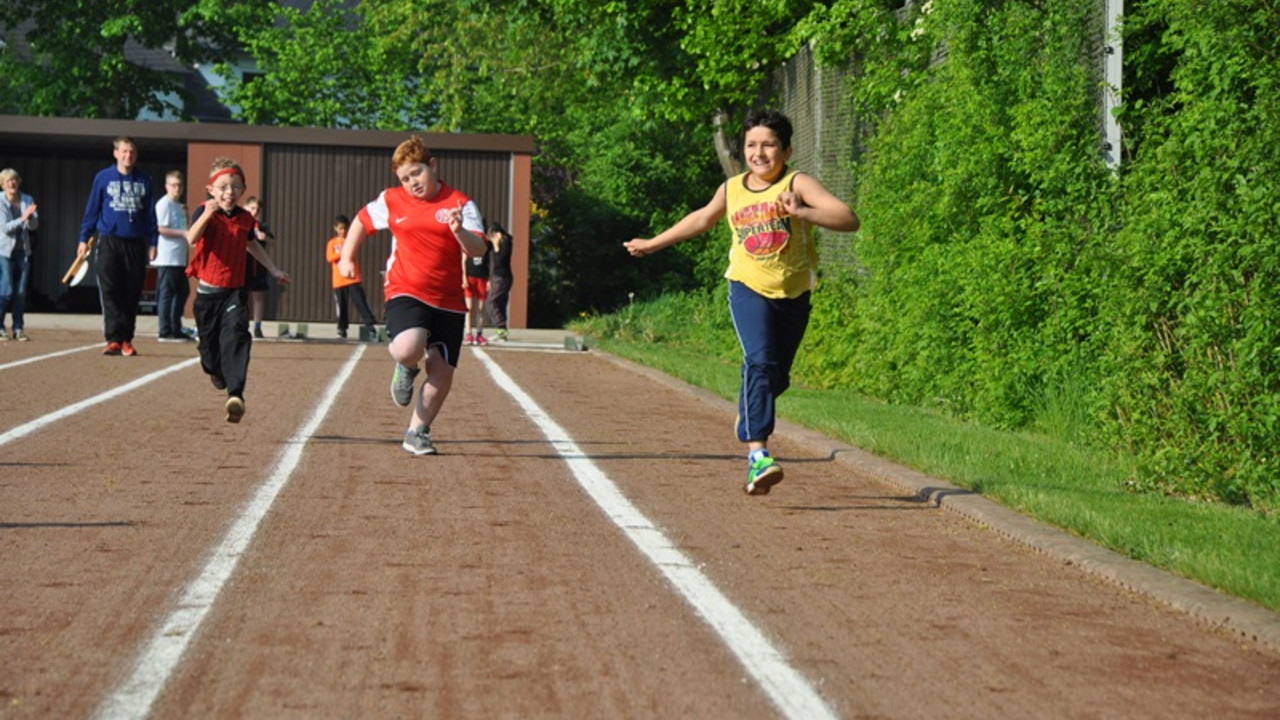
(126, 348)
(113, 348)
(481, 341)
(468, 339)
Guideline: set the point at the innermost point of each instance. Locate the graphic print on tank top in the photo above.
(763, 229)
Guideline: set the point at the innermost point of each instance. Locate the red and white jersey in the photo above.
(426, 259)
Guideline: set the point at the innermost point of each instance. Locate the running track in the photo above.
(580, 549)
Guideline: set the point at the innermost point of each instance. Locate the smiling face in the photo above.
(227, 189)
(419, 178)
(11, 183)
(766, 157)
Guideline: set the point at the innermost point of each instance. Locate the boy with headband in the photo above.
(221, 231)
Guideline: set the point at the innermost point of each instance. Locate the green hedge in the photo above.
(1010, 277)
(1006, 275)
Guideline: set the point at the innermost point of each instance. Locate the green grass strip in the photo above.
(1078, 489)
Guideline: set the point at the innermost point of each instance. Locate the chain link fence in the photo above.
(825, 137)
(827, 132)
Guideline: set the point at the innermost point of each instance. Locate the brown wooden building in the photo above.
(303, 176)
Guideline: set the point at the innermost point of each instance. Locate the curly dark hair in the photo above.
(772, 119)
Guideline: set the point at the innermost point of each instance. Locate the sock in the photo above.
(755, 455)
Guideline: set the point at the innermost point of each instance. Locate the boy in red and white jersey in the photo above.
(433, 226)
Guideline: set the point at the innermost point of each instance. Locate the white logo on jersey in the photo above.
(400, 220)
(442, 216)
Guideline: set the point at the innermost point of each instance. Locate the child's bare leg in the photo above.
(434, 390)
(409, 346)
(471, 316)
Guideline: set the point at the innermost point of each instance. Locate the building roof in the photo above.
(97, 133)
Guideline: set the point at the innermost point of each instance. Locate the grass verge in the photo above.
(1075, 488)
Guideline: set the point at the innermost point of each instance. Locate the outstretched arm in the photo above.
(691, 225)
(261, 255)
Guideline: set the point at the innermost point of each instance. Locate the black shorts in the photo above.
(445, 326)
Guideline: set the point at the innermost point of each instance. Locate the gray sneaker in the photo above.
(418, 441)
(402, 384)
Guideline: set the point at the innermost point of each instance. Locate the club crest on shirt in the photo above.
(762, 229)
(442, 216)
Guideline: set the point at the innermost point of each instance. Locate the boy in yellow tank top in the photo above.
(772, 269)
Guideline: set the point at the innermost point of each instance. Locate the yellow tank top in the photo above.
(772, 252)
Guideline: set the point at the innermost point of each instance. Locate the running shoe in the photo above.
(218, 382)
(480, 339)
(171, 338)
(257, 333)
(402, 384)
(20, 336)
(468, 339)
(113, 348)
(418, 441)
(127, 349)
(763, 474)
(235, 409)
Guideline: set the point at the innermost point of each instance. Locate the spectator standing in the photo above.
(475, 292)
(500, 279)
(347, 289)
(257, 280)
(172, 287)
(120, 211)
(18, 219)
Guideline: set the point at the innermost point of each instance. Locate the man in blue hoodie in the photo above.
(121, 213)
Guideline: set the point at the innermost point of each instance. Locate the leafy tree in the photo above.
(77, 63)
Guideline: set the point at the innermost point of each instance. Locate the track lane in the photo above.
(478, 583)
(105, 514)
(484, 583)
(893, 607)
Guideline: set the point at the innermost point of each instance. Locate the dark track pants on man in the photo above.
(122, 270)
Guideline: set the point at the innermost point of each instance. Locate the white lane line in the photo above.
(785, 686)
(27, 428)
(133, 698)
(47, 356)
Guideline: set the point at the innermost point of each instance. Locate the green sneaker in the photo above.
(402, 384)
(763, 474)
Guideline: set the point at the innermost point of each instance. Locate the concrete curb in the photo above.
(1242, 618)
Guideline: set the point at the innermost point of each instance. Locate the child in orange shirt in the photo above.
(347, 288)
